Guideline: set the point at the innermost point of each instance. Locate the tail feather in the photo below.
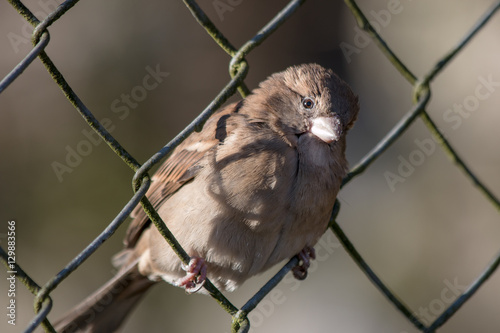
(106, 309)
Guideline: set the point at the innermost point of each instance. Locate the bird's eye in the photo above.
(308, 103)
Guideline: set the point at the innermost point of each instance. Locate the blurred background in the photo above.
(421, 225)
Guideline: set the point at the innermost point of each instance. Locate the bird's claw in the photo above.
(196, 275)
(305, 256)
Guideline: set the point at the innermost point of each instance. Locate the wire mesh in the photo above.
(238, 69)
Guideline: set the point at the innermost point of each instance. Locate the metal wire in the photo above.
(238, 69)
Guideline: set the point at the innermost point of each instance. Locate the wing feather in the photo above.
(178, 169)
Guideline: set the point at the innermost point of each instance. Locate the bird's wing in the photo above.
(178, 169)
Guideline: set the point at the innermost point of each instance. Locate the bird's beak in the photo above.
(328, 129)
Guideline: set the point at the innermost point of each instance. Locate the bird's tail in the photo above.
(106, 309)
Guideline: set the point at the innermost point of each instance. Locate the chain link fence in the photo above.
(239, 68)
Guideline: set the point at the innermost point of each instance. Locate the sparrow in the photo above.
(255, 187)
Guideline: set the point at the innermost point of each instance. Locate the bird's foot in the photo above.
(305, 256)
(196, 274)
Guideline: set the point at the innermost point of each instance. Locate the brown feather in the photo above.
(178, 169)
